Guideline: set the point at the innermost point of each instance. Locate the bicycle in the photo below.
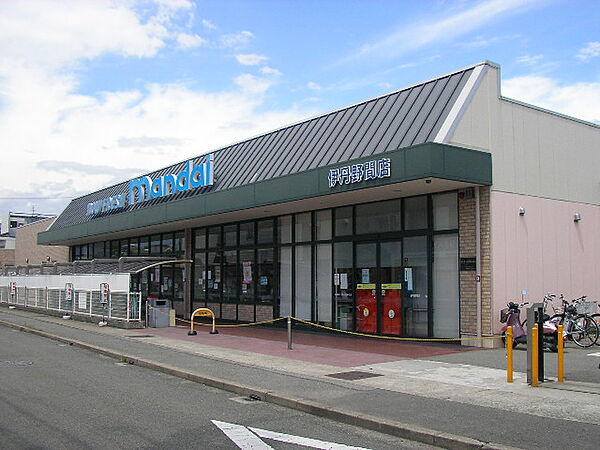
(582, 329)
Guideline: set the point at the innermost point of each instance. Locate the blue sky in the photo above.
(94, 92)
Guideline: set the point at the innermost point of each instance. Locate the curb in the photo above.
(398, 429)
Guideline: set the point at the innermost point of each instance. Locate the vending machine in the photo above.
(391, 303)
(366, 307)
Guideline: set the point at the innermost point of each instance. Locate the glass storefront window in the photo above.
(214, 237)
(200, 239)
(144, 246)
(155, 244)
(323, 219)
(343, 284)
(167, 244)
(285, 229)
(200, 277)
(124, 248)
(446, 309)
(285, 281)
(179, 244)
(230, 235)
(213, 277)
(114, 249)
(303, 294)
(380, 217)
(445, 211)
(416, 285)
(303, 227)
(247, 233)
(99, 250)
(248, 275)
(323, 287)
(343, 221)
(415, 213)
(265, 274)
(265, 231)
(230, 277)
(84, 252)
(134, 247)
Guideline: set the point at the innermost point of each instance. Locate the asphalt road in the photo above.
(53, 396)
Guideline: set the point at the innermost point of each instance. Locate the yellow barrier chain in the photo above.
(353, 333)
(395, 338)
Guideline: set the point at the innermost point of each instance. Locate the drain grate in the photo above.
(15, 363)
(353, 375)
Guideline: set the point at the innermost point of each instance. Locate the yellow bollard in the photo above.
(535, 369)
(509, 354)
(202, 312)
(561, 353)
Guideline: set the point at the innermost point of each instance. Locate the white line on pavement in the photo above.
(242, 436)
(306, 442)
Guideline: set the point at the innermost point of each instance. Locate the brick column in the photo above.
(467, 249)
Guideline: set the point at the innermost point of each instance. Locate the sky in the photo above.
(95, 92)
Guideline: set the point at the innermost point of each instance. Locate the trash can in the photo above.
(158, 312)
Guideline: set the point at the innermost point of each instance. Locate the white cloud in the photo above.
(236, 40)
(252, 84)
(250, 59)
(591, 50)
(530, 60)
(208, 24)
(414, 36)
(186, 40)
(270, 71)
(58, 142)
(313, 86)
(579, 100)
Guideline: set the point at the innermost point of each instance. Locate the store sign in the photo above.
(145, 188)
(356, 173)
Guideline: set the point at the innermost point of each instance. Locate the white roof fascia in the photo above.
(460, 105)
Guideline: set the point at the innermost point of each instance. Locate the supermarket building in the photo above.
(417, 213)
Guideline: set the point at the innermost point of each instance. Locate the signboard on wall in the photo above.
(145, 188)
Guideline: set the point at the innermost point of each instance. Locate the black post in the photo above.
(540, 343)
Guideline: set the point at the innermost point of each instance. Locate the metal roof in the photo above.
(97, 266)
(400, 119)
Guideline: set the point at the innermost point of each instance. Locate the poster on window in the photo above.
(247, 271)
(217, 274)
(82, 300)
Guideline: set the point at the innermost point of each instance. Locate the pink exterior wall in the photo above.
(544, 250)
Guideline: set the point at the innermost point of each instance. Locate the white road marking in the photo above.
(242, 436)
(306, 442)
(594, 354)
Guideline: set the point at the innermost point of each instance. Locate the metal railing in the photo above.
(121, 305)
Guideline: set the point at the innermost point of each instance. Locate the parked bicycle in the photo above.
(582, 329)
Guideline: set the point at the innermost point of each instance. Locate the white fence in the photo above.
(118, 305)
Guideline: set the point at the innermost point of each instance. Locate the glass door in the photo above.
(366, 281)
(391, 278)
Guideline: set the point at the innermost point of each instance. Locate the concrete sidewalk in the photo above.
(443, 395)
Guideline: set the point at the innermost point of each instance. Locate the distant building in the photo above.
(27, 250)
(16, 247)
(10, 221)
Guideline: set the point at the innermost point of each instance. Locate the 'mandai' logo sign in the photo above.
(145, 188)
(356, 173)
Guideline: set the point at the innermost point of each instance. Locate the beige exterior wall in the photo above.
(534, 152)
(547, 164)
(7, 257)
(27, 247)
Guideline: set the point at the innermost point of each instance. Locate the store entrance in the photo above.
(385, 289)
